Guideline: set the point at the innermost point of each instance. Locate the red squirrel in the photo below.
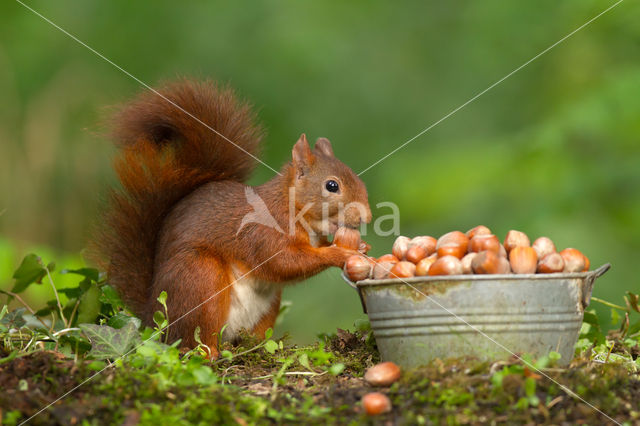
(178, 221)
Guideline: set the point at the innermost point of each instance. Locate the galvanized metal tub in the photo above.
(416, 320)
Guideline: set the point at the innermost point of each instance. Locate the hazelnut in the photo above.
(516, 239)
(504, 267)
(422, 267)
(388, 258)
(543, 246)
(383, 374)
(466, 263)
(446, 265)
(381, 270)
(551, 263)
(416, 253)
(429, 243)
(523, 260)
(452, 249)
(453, 237)
(402, 269)
(375, 403)
(358, 267)
(478, 230)
(347, 238)
(484, 242)
(400, 247)
(487, 262)
(574, 260)
(502, 251)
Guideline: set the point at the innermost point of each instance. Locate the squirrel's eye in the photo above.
(332, 186)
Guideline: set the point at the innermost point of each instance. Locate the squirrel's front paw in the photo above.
(364, 247)
(339, 255)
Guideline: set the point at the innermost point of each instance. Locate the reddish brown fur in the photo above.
(173, 225)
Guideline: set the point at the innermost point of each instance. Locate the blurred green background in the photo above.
(554, 150)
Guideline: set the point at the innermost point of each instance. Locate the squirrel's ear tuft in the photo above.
(302, 156)
(324, 146)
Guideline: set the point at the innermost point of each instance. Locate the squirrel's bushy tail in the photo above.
(165, 155)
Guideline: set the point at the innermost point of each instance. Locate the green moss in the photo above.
(295, 385)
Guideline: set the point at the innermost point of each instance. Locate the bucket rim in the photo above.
(481, 277)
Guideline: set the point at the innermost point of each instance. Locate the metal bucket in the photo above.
(415, 320)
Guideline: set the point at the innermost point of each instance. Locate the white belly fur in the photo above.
(250, 300)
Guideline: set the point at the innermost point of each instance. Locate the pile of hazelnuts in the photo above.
(478, 251)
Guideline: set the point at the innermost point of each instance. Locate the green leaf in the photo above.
(204, 376)
(633, 328)
(45, 311)
(615, 317)
(30, 270)
(14, 318)
(89, 307)
(159, 319)
(162, 298)
(529, 386)
(590, 317)
(362, 325)
(270, 346)
(522, 404)
(268, 333)
(226, 355)
(108, 342)
(336, 368)
(76, 342)
(303, 359)
(89, 273)
(147, 351)
(554, 356)
(111, 297)
(71, 292)
(120, 319)
(96, 365)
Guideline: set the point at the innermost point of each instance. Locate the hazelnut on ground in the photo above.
(375, 403)
(383, 374)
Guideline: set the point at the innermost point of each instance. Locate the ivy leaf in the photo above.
(14, 319)
(108, 342)
(119, 320)
(111, 297)
(30, 270)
